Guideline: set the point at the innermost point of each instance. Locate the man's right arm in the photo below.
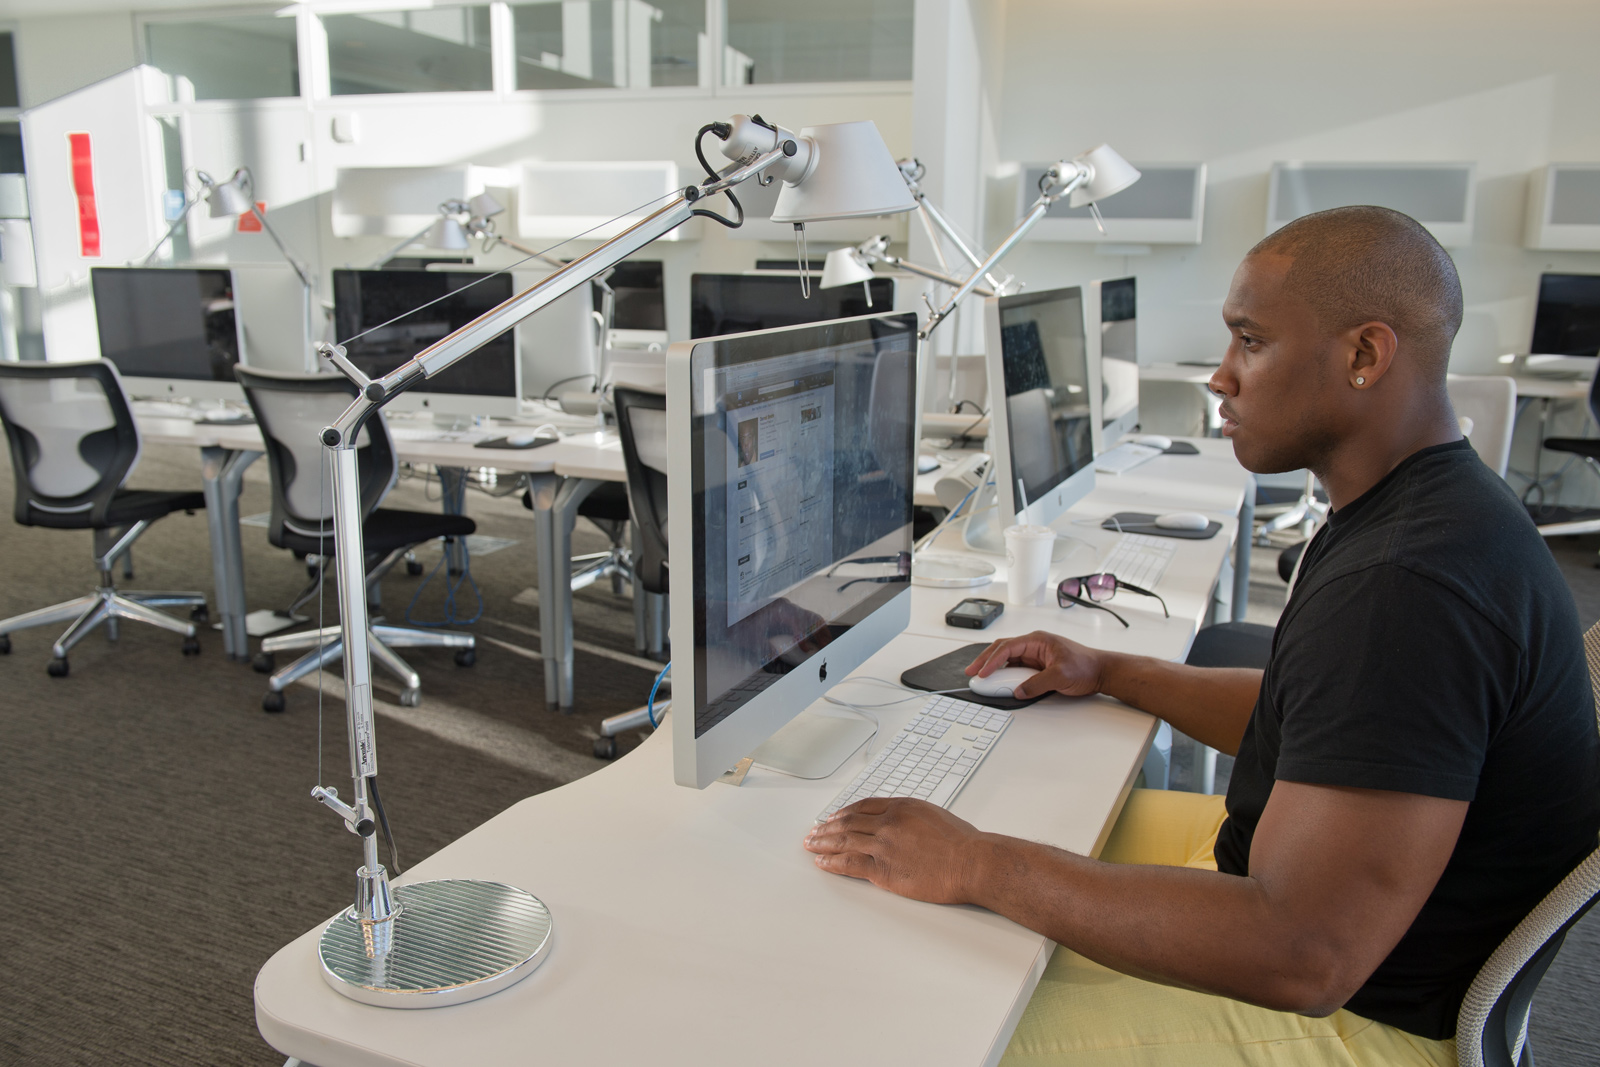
(1210, 704)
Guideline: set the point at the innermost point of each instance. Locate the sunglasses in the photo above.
(1093, 590)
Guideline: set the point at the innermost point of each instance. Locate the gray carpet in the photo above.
(158, 841)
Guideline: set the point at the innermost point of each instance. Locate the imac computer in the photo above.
(278, 319)
(1566, 325)
(639, 306)
(1113, 335)
(791, 534)
(558, 348)
(1043, 435)
(734, 303)
(171, 331)
(367, 300)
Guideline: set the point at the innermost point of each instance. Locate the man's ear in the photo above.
(1372, 347)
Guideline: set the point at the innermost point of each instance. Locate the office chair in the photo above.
(73, 442)
(292, 410)
(1492, 1029)
(642, 425)
(1556, 521)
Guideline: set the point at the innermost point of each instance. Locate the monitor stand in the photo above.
(814, 744)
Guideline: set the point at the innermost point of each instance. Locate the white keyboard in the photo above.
(1124, 457)
(1140, 558)
(419, 433)
(932, 758)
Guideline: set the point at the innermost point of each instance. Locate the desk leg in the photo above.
(452, 485)
(542, 489)
(556, 642)
(222, 471)
(1241, 552)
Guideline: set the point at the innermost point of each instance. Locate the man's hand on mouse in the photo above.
(1063, 666)
(906, 846)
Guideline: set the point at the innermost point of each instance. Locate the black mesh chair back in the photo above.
(292, 410)
(73, 440)
(642, 426)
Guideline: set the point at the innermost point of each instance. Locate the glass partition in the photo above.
(228, 58)
(435, 50)
(769, 41)
(593, 44)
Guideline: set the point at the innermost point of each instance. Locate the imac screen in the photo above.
(1568, 320)
(167, 322)
(734, 303)
(1119, 352)
(1046, 367)
(638, 303)
(803, 444)
(366, 300)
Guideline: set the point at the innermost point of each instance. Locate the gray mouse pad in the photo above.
(1181, 448)
(1141, 522)
(949, 671)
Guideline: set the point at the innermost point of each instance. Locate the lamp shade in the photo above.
(854, 176)
(229, 198)
(446, 233)
(484, 206)
(1109, 174)
(845, 266)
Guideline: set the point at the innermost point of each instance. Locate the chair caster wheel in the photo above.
(410, 698)
(5, 644)
(466, 657)
(413, 568)
(272, 702)
(605, 748)
(191, 646)
(200, 616)
(58, 667)
(264, 663)
(311, 568)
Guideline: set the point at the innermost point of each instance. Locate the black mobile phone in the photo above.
(974, 613)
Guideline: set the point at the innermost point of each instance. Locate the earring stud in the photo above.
(1361, 381)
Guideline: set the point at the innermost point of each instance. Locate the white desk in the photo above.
(691, 928)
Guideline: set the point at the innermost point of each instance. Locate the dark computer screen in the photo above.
(364, 299)
(1046, 366)
(1567, 322)
(167, 322)
(639, 304)
(737, 303)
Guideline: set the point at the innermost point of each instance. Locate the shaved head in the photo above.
(1354, 265)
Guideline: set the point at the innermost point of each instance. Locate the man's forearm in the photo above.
(1210, 704)
(1179, 926)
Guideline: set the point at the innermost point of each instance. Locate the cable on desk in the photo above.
(455, 501)
(650, 705)
(383, 822)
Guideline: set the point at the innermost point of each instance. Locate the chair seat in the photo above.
(1231, 644)
(385, 530)
(609, 502)
(128, 506)
(1588, 447)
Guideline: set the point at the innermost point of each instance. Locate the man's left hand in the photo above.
(906, 846)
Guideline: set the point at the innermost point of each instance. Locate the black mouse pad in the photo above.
(1180, 448)
(505, 442)
(949, 671)
(1141, 522)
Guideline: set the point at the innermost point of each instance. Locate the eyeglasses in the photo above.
(1092, 590)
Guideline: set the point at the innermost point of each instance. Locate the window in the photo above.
(228, 58)
(437, 50)
(587, 44)
(771, 41)
(9, 97)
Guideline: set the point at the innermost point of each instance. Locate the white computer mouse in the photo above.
(1153, 440)
(927, 464)
(1002, 683)
(521, 440)
(1183, 520)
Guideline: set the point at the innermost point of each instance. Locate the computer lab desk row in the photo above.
(560, 476)
(690, 927)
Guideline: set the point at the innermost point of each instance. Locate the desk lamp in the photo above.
(230, 199)
(454, 940)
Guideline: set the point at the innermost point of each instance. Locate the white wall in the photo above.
(1239, 84)
(57, 54)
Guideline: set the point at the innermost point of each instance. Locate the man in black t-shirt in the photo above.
(1416, 768)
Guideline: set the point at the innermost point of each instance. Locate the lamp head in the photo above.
(1105, 173)
(840, 171)
(845, 266)
(229, 198)
(447, 233)
(484, 206)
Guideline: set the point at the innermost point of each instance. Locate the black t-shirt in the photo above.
(1431, 646)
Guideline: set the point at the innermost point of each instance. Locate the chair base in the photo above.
(327, 646)
(106, 605)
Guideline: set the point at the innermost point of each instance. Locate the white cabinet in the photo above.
(1438, 195)
(1564, 208)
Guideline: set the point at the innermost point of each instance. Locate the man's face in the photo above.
(1276, 379)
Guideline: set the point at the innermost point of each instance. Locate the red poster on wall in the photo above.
(83, 189)
(248, 223)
